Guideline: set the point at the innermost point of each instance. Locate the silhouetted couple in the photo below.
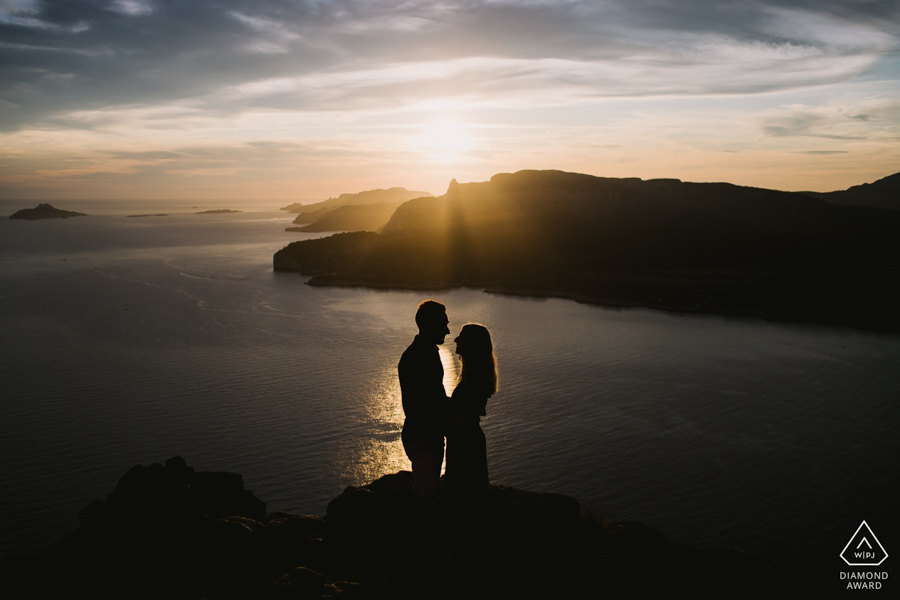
(431, 415)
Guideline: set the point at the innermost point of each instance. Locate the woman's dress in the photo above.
(466, 470)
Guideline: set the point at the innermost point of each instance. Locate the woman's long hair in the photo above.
(479, 365)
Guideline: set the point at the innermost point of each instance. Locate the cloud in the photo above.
(151, 155)
(227, 164)
(132, 7)
(867, 120)
(228, 57)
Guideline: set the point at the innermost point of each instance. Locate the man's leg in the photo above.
(426, 459)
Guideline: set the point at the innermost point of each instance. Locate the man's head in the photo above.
(431, 318)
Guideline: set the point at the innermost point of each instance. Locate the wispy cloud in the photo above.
(174, 91)
(73, 55)
(836, 121)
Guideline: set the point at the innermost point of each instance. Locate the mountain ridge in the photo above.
(884, 193)
(664, 243)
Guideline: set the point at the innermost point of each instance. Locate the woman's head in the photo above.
(473, 339)
(476, 351)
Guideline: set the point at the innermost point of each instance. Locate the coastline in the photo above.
(883, 325)
(691, 248)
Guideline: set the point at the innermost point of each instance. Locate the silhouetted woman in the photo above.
(466, 470)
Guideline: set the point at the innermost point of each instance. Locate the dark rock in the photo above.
(157, 498)
(156, 537)
(168, 530)
(637, 539)
(303, 583)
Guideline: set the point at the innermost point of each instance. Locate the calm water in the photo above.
(128, 341)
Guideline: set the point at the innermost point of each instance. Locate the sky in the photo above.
(270, 101)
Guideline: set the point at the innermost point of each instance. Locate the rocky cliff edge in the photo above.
(167, 531)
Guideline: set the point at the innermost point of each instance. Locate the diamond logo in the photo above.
(863, 549)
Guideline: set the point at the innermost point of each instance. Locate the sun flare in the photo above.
(445, 139)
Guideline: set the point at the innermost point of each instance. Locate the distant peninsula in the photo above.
(138, 216)
(45, 211)
(168, 531)
(694, 247)
(218, 211)
(394, 194)
(352, 217)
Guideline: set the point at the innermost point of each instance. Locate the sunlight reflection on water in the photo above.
(381, 452)
(451, 365)
(718, 431)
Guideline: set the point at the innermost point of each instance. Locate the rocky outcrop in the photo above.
(153, 497)
(170, 532)
(511, 543)
(44, 211)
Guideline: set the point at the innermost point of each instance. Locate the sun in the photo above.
(445, 139)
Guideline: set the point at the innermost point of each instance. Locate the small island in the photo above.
(45, 211)
(218, 211)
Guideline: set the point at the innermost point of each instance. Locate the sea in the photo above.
(127, 340)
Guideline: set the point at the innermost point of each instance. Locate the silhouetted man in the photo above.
(424, 398)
